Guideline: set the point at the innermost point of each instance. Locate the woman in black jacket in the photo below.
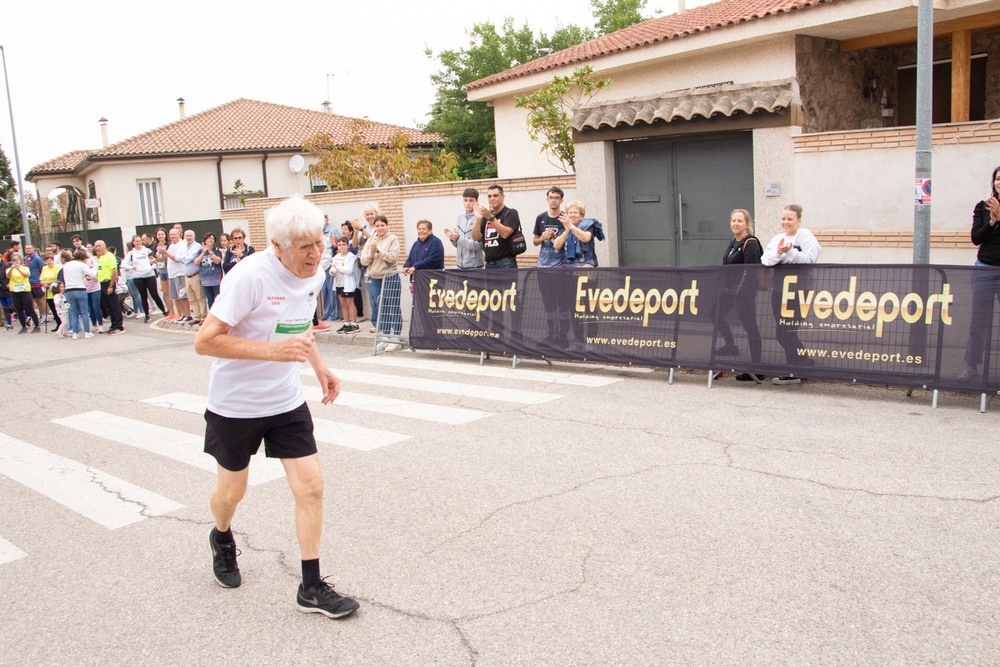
(740, 289)
(986, 282)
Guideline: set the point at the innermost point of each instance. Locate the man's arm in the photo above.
(329, 382)
(503, 230)
(214, 340)
(477, 228)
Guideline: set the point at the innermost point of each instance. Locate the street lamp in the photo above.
(17, 161)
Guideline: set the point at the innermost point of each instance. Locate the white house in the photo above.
(760, 103)
(186, 172)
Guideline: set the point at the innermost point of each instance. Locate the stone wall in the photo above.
(830, 85)
(830, 81)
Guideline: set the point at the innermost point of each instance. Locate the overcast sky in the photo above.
(71, 63)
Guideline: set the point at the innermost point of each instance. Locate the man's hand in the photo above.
(329, 383)
(451, 234)
(297, 348)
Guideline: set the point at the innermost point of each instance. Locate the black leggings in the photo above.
(24, 307)
(52, 309)
(146, 286)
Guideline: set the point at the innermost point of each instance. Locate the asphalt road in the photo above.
(565, 515)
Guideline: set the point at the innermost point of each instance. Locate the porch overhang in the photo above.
(721, 101)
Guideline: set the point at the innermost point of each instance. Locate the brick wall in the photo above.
(862, 238)
(390, 203)
(975, 132)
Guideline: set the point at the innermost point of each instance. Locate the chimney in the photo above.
(681, 6)
(104, 132)
(327, 107)
(180, 105)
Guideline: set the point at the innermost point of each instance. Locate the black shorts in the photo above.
(346, 295)
(37, 292)
(232, 441)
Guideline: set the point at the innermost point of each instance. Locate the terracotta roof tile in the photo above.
(699, 19)
(237, 126)
(728, 100)
(64, 163)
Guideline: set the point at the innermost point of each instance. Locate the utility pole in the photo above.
(925, 89)
(17, 161)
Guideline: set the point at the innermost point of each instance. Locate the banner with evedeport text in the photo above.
(903, 325)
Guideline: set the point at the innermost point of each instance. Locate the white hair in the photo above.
(291, 219)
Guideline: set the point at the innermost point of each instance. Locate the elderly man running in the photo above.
(258, 330)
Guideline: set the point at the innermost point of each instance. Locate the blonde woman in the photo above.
(579, 236)
(740, 289)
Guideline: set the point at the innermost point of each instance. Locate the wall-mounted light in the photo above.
(869, 85)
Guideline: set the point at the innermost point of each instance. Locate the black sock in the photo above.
(223, 538)
(310, 572)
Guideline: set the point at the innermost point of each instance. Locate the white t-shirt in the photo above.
(174, 267)
(260, 296)
(346, 271)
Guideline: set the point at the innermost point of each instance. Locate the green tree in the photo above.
(10, 206)
(612, 15)
(356, 163)
(468, 125)
(551, 110)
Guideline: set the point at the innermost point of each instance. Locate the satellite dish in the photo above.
(297, 163)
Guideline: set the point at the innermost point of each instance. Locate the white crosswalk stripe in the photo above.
(444, 414)
(113, 503)
(555, 375)
(167, 442)
(102, 498)
(325, 430)
(423, 384)
(9, 552)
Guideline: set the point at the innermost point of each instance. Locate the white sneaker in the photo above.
(88, 335)
(381, 347)
(392, 347)
(76, 336)
(137, 315)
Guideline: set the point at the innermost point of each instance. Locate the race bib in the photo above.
(285, 329)
(19, 287)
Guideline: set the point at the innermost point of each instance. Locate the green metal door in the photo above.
(675, 196)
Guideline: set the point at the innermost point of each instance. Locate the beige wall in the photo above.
(246, 169)
(873, 190)
(518, 156)
(595, 176)
(772, 161)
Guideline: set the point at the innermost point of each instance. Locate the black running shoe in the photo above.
(224, 567)
(320, 598)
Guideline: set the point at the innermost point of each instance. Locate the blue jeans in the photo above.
(134, 293)
(331, 307)
(503, 263)
(386, 316)
(77, 300)
(94, 303)
(211, 292)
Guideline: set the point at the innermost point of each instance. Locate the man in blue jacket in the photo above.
(427, 252)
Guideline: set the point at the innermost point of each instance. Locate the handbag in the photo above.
(517, 243)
